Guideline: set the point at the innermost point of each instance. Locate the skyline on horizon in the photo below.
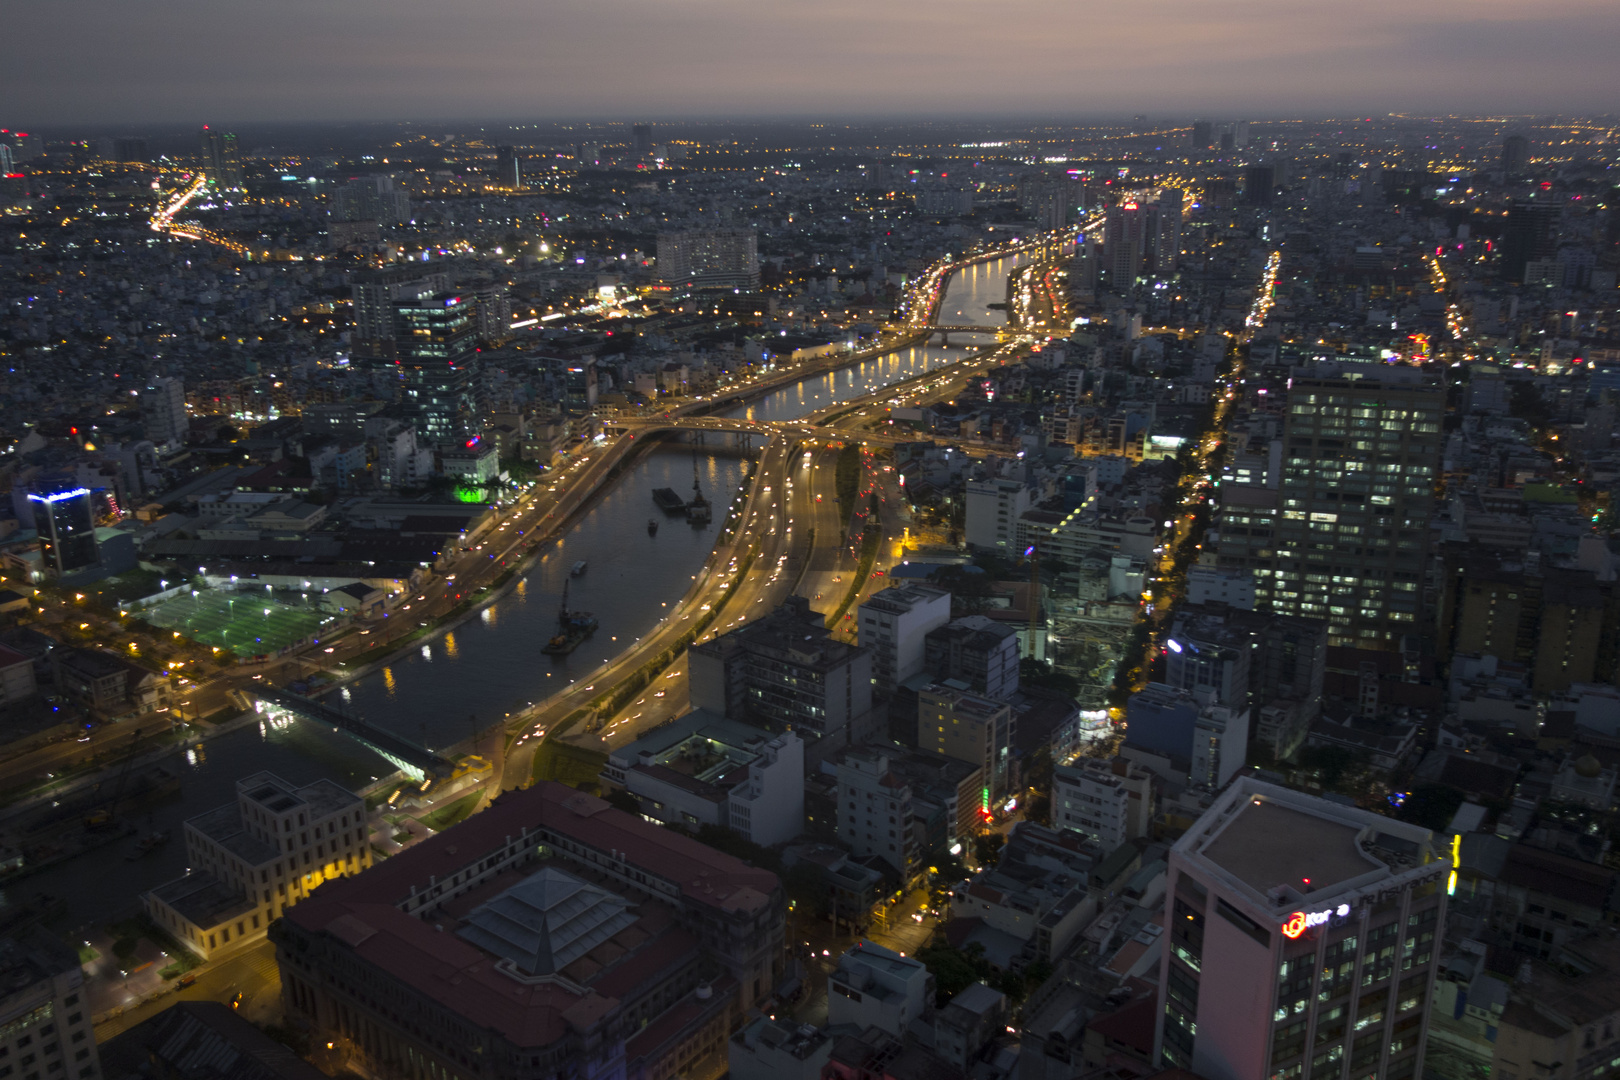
(101, 62)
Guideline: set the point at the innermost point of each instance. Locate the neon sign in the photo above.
(1301, 921)
(60, 495)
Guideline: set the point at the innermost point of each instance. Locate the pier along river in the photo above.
(474, 674)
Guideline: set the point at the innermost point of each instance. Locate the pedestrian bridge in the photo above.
(417, 761)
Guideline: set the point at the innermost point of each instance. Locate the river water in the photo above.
(492, 664)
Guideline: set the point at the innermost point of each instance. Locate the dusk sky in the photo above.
(127, 61)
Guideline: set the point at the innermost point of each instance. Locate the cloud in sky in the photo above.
(111, 61)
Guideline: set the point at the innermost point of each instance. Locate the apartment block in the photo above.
(783, 672)
(45, 1023)
(893, 626)
(958, 724)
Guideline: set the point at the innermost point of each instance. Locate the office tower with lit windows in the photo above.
(222, 159)
(1124, 240)
(1162, 235)
(66, 523)
(709, 259)
(435, 340)
(1362, 452)
(163, 411)
(1303, 942)
(375, 292)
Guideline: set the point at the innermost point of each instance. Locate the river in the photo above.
(492, 664)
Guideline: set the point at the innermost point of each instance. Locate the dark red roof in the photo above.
(362, 912)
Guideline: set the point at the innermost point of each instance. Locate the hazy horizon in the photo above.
(110, 62)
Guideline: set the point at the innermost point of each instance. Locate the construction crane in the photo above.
(102, 816)
(1033, 558)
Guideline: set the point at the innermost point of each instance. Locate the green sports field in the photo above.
(246, 623)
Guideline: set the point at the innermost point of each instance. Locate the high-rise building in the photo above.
(1162, 236)
(222, 159)
(435, 340)
(375, 292)
(371, 198)
(1515, 155)
(998, 494)
(66, 523)
(1186, 737)
(1531, 235)
(969, 728)
(46, 1025)
(122, 149)
(893, 625)
(1240, 134)
(508, 167)
(875, 812)
(8, 160)
(549, 935)
(1108, 801)
(1124, 240)
(978, 652)
(1304, 937)
(580, 386)
(783, 671)
(709, 259)
(1352, 540)
(1209, 654)
(1260, 185)
(641, 139)
(163, 411)
(1203, 134)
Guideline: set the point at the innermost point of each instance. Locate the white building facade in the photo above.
(1304, 940)
(893, 626)
(251, 861)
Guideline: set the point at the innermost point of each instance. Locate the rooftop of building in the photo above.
(800, 1042)
(792, 632)
(974, 632)
(962, 702)
(545, 921)
(722, 735)
(874, 1053)
(201, 1040)
(203, 899)
(1579, 985)
(902, 598)
(1281, 845)
(321, 798)
(865, 960)
(223, 825)
(538, 949)
(28, 958)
